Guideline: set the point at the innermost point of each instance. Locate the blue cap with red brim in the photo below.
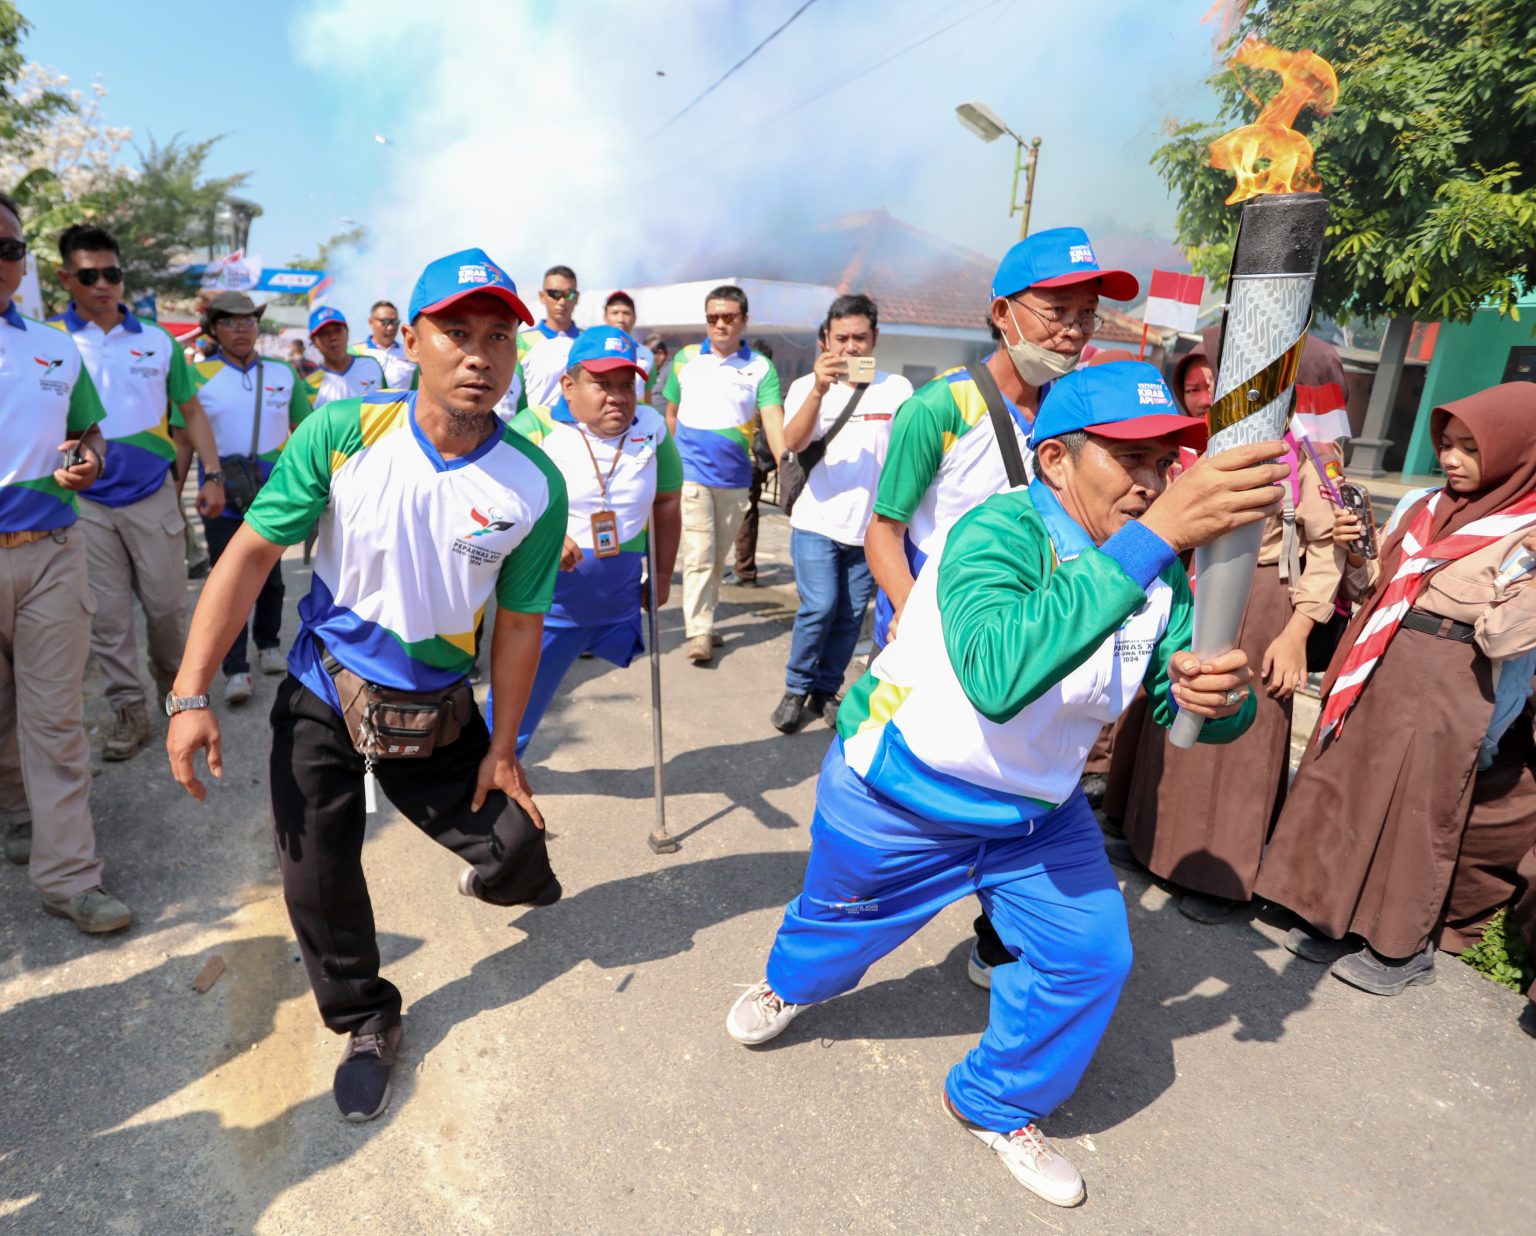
(602, 349)
(469, 272)
(1123, 399)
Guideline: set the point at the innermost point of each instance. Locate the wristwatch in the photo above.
(183, 703)
(213, 478)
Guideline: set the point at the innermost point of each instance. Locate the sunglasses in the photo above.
(559, 294)
(386, 321)
(89, 276)
(721, 319)
(12, 250)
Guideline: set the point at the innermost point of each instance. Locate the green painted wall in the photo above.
(1467, 359)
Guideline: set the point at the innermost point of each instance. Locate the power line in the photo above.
(788, 21)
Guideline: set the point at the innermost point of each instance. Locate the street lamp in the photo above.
(987, 125)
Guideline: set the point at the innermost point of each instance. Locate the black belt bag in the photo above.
(1443, 628)
(387, 724)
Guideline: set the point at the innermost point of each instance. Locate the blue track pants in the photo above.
(1051, 895)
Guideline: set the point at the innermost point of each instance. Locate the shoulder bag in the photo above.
(242, 478)
(795, 466)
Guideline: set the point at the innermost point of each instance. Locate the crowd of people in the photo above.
(475, 481)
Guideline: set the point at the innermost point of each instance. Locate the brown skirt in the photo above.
(1125, 744)
(1370, 831)
(1500, 832)
(1199, 818)
(1523, 912)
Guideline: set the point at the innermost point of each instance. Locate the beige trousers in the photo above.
(710, 520)
(138, 550)
(45, 757)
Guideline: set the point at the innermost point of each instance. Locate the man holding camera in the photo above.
(430, 509)
(135, 533)
(50, 450)
(956, 768)
(845, 421)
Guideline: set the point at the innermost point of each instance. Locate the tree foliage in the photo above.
(1428, 159)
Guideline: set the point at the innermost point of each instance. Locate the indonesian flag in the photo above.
(1320, 413)
(1173, 300)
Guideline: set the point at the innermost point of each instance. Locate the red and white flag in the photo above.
(1320, 413)
(1173, 300)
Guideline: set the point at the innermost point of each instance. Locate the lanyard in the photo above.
(602, 481)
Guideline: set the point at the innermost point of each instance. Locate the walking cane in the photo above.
(660, 841)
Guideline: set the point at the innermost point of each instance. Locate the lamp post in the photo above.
(986, 124)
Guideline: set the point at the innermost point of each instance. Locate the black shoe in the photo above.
(989, 947)
(1385, 976)
(789, 714)
(1310, 945)
(1528, 1020)
(1095, 786)
(362, 1078)
(1204, 909)
(1120, 854)
(824, 704)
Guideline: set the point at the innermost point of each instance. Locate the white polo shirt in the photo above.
(143, 377)
(362, 376)
(839, 493)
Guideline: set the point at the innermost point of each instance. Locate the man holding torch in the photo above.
(957, 763)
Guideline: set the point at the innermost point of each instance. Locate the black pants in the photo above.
(745, 564)
(268, 623)
(319, 821)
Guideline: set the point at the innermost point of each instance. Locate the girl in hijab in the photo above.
(1370, 834)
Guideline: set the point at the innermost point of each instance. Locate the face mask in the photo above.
(1037, 365)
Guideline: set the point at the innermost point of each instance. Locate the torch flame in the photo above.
(1306, 80)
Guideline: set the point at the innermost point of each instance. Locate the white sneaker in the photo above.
(978, 971)
(759, 1014)
(238, 688)
(1042, 1170)
(271, 661)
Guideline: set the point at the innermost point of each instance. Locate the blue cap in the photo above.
(1056, 258)
(1123, 399)
(465, 273)
(323, 316)
(603, 349)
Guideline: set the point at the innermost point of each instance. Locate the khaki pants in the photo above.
(710, 520)
(139, 550)
(45, 757)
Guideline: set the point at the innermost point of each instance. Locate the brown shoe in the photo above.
(701, 649)
(129, 732)
(94, 911)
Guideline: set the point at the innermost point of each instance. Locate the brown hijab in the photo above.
(1503, 423)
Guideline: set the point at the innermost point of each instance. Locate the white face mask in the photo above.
(1037, 365)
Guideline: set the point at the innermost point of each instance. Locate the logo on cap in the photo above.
(474, 272)
(1081, 253)
(614, 344)
(1151, 392)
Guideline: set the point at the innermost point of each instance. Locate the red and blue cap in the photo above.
(1121, 399)
(602, 349)
(1056, 258)
(324, 316)
(469, 272)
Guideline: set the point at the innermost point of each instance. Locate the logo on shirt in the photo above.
(1081, 253)
(143, 369)
(1151, 392)
(144, 355)
(45, 379)
(493, 522)
(488, 522)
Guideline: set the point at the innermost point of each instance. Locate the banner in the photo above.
(240, 273)
(1173, 300)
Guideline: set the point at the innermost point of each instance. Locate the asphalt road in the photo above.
(567, 1069)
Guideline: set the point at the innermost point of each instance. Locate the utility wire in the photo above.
(788, 21)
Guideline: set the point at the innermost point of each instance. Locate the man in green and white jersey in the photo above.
(342, 373)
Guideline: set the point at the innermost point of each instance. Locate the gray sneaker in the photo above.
(1034, 1162)
(94, 911)
(238, 688)
(1385, 976)
(759, 1014)
(129, 732)
(271, 661)
(18, 840)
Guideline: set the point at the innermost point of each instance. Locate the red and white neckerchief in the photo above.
(1403, 589)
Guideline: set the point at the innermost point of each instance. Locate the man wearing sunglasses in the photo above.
(135, 544)
(715, 394)
(542, 351)
(383, 344)
(50, 450)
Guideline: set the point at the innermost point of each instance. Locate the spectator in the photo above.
(298, 361)
(135, 534)
(831, 513)
(253, 402)
(342, 375)
(744, 567)
(716, 393)
(45, 605)
(383, 344)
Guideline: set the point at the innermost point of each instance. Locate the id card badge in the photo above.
(605, 534)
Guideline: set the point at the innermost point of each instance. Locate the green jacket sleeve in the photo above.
(526, 582)
(915, 452)
(1177, 636)
(1013, 624)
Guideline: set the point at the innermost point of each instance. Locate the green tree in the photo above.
(23, 115)
(1428, 159)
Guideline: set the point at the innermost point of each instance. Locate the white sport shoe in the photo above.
(238, 688)
(759, 1014)
(978, 971)
(271, 661)
(1042, 1170)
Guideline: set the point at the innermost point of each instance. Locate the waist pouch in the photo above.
(242, 482)
(388, 724)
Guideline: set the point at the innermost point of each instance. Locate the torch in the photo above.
(1269, 306)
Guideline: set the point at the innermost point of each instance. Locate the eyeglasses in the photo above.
(12, 250)
(721, 319)
(559, 294)
(89, 276)
(242, 321)
(1061, 320)
(385, 321)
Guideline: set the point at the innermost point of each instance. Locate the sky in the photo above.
(548, 132)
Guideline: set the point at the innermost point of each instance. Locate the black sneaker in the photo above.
(824, 704)
(362, 1078)
(789, 714)
(1206, 909)
(1385, 976)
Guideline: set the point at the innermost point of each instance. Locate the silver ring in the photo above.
(1236, 695)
